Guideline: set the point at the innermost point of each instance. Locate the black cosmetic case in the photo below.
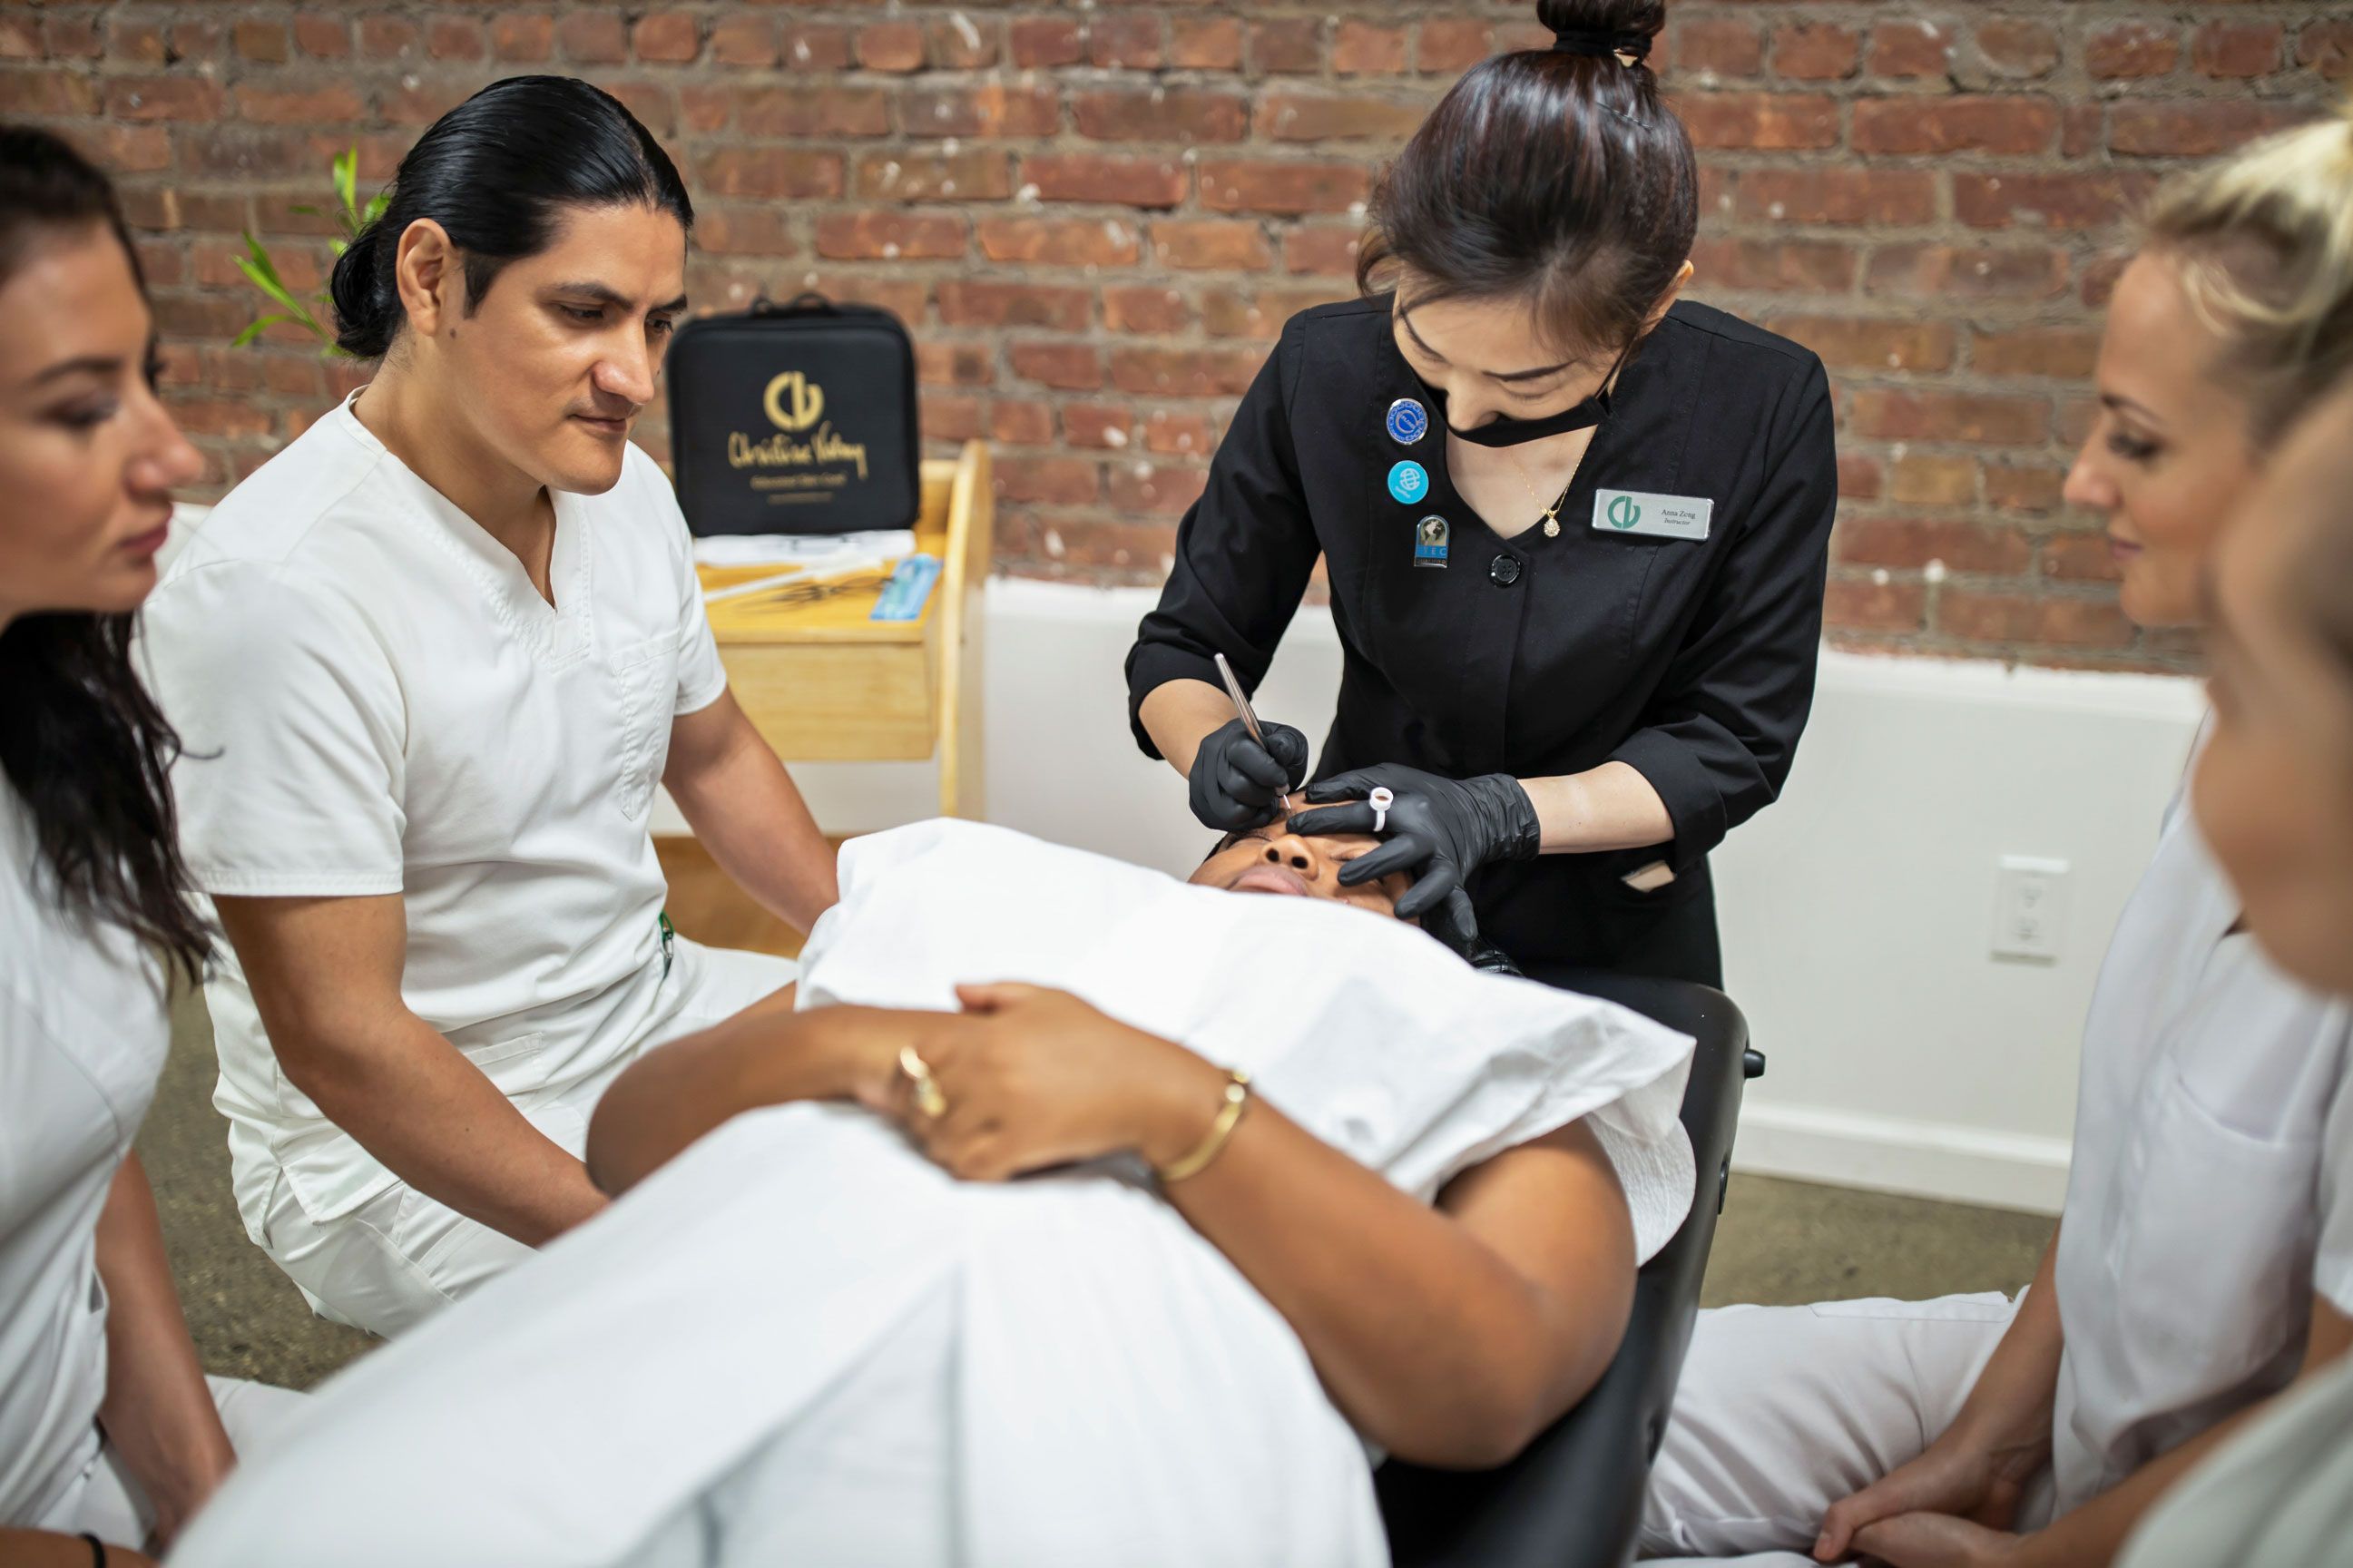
(795, 419)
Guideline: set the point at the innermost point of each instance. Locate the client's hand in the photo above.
(1969, 1487)
(1034, 1078)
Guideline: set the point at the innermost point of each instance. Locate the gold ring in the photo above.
(928, 1097)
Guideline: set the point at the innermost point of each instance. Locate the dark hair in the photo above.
(81, 740)
(1556, 175)
(496, 172)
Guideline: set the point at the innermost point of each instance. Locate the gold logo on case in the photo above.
(793, 402)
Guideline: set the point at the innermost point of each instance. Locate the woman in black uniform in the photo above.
(1576, 531)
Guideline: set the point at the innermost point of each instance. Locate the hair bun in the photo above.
(1618, 20)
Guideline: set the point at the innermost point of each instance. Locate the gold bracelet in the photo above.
(1238, 1093)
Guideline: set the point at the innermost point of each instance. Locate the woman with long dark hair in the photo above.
(109, 1433)
(1576, 531)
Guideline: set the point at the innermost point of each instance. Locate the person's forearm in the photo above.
(157, 1410)
(2008, 1412)
(47, 1549)
(1612, 807)
(1179, 715)
(746, 811)
(1429, 1342)
(435, 1120)
(766, 1055)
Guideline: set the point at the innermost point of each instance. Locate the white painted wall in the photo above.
(1857, 913)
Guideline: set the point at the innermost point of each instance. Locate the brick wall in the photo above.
(1097, 217)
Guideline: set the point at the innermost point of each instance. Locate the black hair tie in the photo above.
(1613, 44)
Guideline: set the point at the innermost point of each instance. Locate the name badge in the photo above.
(1662, 517)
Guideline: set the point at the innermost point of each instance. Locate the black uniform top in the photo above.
(1692, 661)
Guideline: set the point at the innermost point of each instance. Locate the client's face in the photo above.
(1273, 859)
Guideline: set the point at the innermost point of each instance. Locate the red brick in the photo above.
(1151, 309)
(2066, 353)
(1910, 48)
(1720, 48)
(1846, 342)
(220, 417)
(2197, 128)
(1452, 44)
(65, 39)
(1290, 48)
(1882, 197)
(124, 149)
(1071, 367)
(456, 38)
(2025, 489)
(993, 109)
(962, 44)
(1977, 418)
(2057, 201)
(329, 105)
(1214, 243)
(977, 303)
(1180, 435)
(797, 111)
(265, 42)
(1131, 42)
(890, 236)
(1184, 373)
(1019, 422)
(2018, 50)
(2049, 622)
(1933, 270)
(1921, 480)
(1152, 488)
(389, 38)
(1313, 248)
(1059, 242)
(1858, 476)
(2083, 129)
(942, 363)
(1813, 51)
(1862, 605)
(2078, 558)
(2326, 47)
(48, 92)
(1365, 48)
(1234, 184)
(908, 175)
(1109, 551)
(163, 98)
(950, 418)
(522, 36)
(768, 172)
(136, 43)
(21, 38)
(1913, 543)
(1055, 481)
(1127, 182)
(1326, 117)
(1814, 266)
(196, 40)
(423, 103)
(744, 231)
(1258, 313)
(1765, 120)
(751, 41)
(592, 38)
(801, 48)
(1205, 43)
(894, 46)
(323, 38)
(1179, 114)
(667, 36)
(1041, 41)
(1957, 124)
(2130, 50)
(2237, 50)
(1104, 426)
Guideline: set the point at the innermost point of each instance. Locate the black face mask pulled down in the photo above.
(1505, 431)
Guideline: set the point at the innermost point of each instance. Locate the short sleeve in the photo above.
(293, 727)
(2332, 1262)
(702, 680)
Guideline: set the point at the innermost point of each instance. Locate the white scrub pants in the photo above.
(108, 1503)
(397, 1258)
(1783, 1411)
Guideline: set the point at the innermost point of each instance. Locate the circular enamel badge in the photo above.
(1409, 482)
(1407, 422)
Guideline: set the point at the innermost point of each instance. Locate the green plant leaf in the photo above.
(262, 273)
(347, 176)
(257, 329)
(377, 203)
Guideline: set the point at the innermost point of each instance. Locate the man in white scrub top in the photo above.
(431, 662)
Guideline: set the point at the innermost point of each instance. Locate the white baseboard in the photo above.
(1894, 1154)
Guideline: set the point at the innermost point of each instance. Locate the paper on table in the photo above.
(817, 550)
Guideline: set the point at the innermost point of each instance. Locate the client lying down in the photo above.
(823, 1328)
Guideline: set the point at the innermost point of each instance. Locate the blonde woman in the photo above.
(2178, 1294)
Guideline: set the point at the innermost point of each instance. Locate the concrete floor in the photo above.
(1778, 1242)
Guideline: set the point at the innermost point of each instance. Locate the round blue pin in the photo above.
(1407, 422)
(1409, 482)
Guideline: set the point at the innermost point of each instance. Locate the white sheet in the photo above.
(1118, 1391)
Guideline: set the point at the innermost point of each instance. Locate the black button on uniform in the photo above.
(1505, 572)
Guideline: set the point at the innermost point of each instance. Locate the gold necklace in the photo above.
(1552, 513)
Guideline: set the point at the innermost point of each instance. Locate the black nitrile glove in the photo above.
(1236, 784)
(1440, 829)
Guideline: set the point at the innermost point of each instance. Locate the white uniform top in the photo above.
(83, 1040)
(375, 699)
(2193, 1237)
